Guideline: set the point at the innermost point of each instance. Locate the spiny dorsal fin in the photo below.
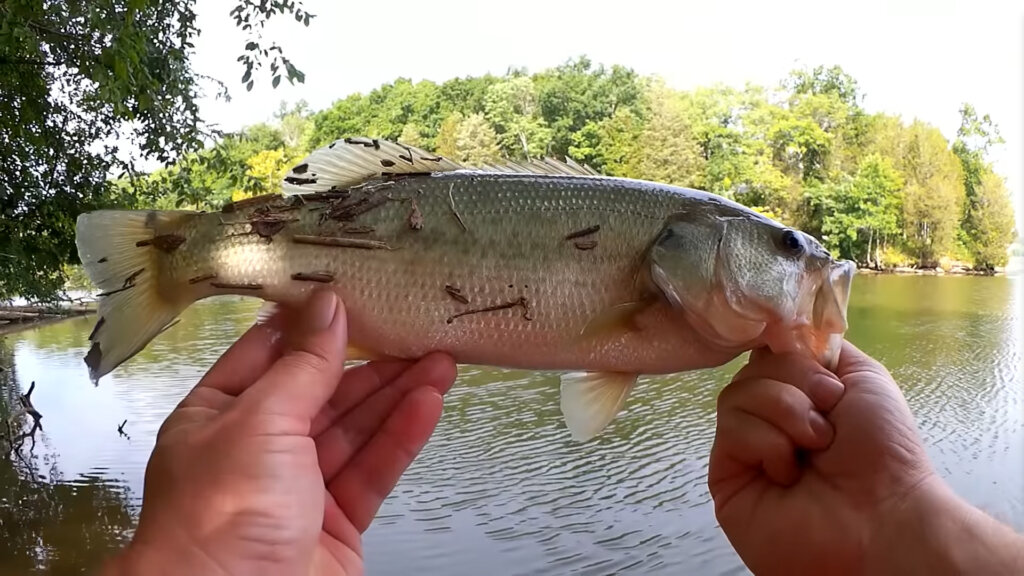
(352, 161)
(540, 166)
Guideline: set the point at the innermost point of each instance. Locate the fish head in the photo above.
(743, 280)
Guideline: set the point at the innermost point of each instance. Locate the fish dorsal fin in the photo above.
(350, 162)
(568, 167)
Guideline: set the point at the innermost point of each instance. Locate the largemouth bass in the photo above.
(541, 265)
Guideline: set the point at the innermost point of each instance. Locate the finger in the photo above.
(745, 442)
(360, 382)
(852, 360)
(247, 359)
(341, 441)
(823, 387)
(304, 377)
(361, 488)
(783, 406)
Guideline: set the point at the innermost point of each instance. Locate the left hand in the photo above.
(278, 460)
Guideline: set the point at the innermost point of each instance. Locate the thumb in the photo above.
(304, 378)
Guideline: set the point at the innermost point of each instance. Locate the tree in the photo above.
(79, 81)
(987, 214)
(934, 193)
(510, 107)
(991, 223)
(475, 141)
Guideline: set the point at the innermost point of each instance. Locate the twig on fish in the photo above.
(415, 216)
(341, 242)
(451, 201)
(325, 277)
(521, 301)
(129, 282)
(201, 278)
(237, 286)
(584, 232)
(585, 244)
(358, 229)
(456, 294)
(164, 242)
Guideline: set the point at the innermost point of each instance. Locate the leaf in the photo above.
(250, 46)
(276, 81)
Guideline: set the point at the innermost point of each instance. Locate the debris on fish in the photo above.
(542, 265)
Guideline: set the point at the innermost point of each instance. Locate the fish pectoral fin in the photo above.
(615, 320)
(591, 400)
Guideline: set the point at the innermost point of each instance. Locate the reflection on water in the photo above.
(500, 484)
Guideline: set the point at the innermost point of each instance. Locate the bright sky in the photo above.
(914, 58)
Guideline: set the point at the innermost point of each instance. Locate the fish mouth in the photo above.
(829, 317)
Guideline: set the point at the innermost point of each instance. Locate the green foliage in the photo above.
(804, 152)
(79, 77)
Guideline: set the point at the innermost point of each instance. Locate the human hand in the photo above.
(807, 466)
(278, 460)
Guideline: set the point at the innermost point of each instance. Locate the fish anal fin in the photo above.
(591, 400)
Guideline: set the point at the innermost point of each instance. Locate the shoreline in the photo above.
(17, 318)
(907, 271)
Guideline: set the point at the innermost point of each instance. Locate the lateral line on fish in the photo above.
(521, 301)
(339, 242)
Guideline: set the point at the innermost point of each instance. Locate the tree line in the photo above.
(875, 188)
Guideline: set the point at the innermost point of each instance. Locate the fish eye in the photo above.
(792, 242)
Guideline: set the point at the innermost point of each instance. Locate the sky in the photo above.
(913, 58)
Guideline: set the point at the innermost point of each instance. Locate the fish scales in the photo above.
(513, 247)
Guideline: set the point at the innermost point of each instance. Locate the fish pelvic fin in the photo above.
(124, 256)
(350, 162)
(591, 400)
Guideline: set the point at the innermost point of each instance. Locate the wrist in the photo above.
(936, 532)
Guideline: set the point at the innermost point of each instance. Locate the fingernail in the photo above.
(821, 428)
(825, 391)
(320, 310)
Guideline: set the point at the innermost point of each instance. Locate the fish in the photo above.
(543, 264)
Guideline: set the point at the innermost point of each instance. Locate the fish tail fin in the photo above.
(125, 258)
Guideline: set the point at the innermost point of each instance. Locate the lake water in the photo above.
(501, 489)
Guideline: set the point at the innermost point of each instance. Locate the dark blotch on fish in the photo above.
(164, 242)
(93, 358)
(102, 260)
(299, 181)
(301, 169)
(267, 228)
(586, 244)
(96, 329)
(387, 163)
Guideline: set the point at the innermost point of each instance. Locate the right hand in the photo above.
(863, 464)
